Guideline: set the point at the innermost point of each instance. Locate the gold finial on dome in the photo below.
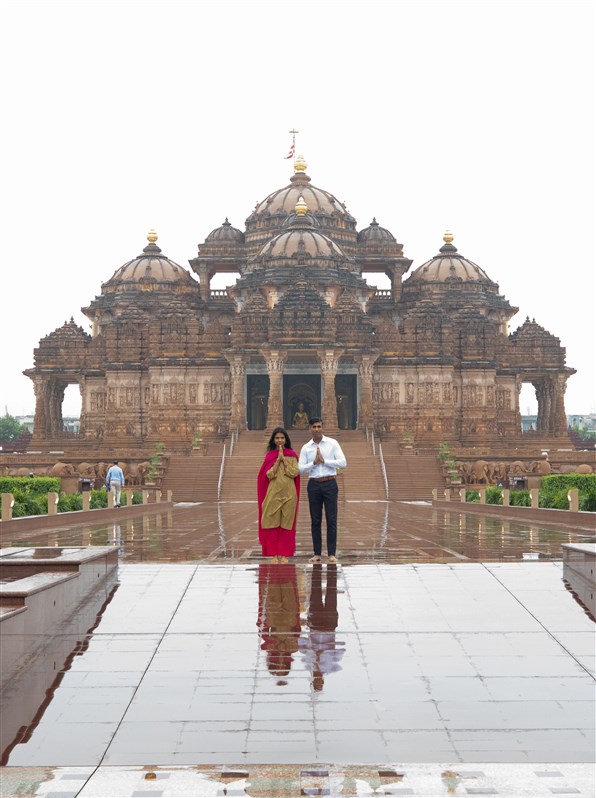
(300, 164)
(301, 207)
(448, 237)
(152, 236)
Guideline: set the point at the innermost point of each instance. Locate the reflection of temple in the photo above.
(168, 356)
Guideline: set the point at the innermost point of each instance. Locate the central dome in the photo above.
(284, 199)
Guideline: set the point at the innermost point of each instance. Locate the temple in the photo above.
(300, 331)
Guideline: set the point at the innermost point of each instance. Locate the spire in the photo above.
(152, 236)
(301, 207)
(300, 164)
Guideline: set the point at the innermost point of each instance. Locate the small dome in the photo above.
(375, 234)
(449, 266)
(150, 267)
(301, 241)
(226, 233)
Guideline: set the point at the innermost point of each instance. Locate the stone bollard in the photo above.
(53, 499)
(482, 492)
(534, 498)
(462, 495)
(145, 496)
(505, 493)
(573, 498)
(7, 505)
(127, 493)
(169, 495)
(447, 494)
(86, 501)
(111, 498)
(157, 496)
(435, 494)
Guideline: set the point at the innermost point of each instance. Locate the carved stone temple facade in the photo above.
(431, 358)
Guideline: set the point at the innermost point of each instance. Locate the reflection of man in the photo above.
(300, 420)
(320, 458)
(278, 617)
(320, 649)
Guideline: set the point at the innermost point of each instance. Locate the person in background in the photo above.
(115, 481)
(320, 458)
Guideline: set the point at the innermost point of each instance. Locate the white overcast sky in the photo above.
(122, 116)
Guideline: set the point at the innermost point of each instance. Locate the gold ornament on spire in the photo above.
(300, 164)
(448, 237)
(301, 207)
(152, 236)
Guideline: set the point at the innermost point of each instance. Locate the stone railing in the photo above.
(447, 495)
(53, 498)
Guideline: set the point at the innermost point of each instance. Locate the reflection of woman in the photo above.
(300, 420)
(279, 616)
(278, 491)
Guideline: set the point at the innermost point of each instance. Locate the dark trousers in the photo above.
(323, 494)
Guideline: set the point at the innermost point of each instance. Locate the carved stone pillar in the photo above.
(544, 397)
(40, 423)
(329, 360)
(559, 414)
(366, 373)
(237, 372)
(202, 269)
(275, 360)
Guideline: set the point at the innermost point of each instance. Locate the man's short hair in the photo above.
(314, 420)
(115, 462)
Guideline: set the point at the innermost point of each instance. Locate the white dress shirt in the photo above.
(331, 453)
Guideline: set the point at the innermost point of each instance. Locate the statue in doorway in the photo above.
(300, 420)
(343, 412)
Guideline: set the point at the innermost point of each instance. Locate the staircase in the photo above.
(194, 477)
(362, 479)
(411, 477)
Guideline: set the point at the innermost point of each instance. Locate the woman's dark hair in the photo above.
(271, 445)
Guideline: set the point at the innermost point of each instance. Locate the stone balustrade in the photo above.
(148, 497)
(447, 495)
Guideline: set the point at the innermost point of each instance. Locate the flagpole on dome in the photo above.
(292, 152)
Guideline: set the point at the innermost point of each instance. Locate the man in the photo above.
(115, 481)
(320, 458)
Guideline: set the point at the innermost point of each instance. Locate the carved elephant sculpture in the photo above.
(137, 473)
(517, 469)
(584, 468)
(480, 472)
(499, 472)
(540, 467)
(87, 469)
(63, 470)
(19, 472)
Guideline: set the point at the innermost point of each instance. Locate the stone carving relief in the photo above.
(472, 395)
(410, 392)
(386, 392)
(216, 393)
(504, 399)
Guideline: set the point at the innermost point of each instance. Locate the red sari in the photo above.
(278, 542)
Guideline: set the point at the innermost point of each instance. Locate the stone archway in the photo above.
(300, 389)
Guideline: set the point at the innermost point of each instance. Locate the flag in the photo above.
(291, 153)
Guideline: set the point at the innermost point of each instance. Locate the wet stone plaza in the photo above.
(446, 654)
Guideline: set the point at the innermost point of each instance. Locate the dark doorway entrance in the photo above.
(257, 399)
(305, 390)
(347, 401)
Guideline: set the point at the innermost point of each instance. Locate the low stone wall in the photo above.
(566, 519)
(41, 523)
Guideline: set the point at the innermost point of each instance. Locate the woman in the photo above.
(278, 491)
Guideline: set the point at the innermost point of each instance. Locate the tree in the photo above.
(10, 429)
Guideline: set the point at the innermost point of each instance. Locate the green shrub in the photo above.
(554, 487)
(520, 498)
(36, 486)
(587, 501)
(494, 496)
(70, 502)
(137, 497)
(98, 500)
(473, 496)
